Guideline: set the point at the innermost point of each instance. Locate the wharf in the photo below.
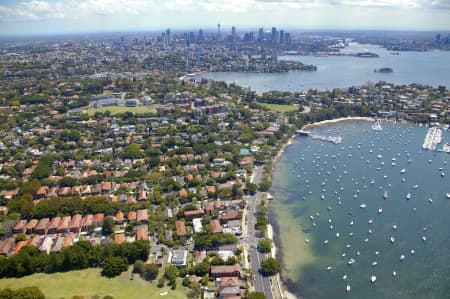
(432, 139)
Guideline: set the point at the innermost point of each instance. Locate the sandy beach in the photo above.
(336, 120)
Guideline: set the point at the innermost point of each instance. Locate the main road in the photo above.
(262, 283)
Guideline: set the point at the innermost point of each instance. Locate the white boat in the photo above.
(363, 206)
(430, 200)
(344, 277)
(347, 289)
(408, 196)
(424, 238)
(394, 273)
(329, 268)
(392, 239)
(385, 194)
(442, 174)
(306, 241)
(402, 171)
(374, 264)
(394, 226)
(448, 195)
(373, 278)
(325, 242)
(351, 261)
(337, 235)
(402, 257)
(380, 211)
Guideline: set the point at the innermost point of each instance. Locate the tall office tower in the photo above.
(168, 36)
(218, 31)
(201, 36)
(233, 34)
(260, 34)
(274, 35)
(281, 36)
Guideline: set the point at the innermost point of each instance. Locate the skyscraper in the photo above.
(233, 34)
(260, 34)
(218, 31)
(281, 36)
(169, 41)
(274, 35)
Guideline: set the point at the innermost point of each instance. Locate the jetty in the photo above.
(432, 139)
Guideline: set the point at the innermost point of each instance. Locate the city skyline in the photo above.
(31, 17)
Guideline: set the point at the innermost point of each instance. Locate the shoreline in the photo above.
(282, 283)
(336, 120)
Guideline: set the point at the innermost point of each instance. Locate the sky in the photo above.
(28, 17)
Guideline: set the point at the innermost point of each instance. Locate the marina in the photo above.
(367, 210)
(432, 139)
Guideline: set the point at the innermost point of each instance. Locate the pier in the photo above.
(433, 138)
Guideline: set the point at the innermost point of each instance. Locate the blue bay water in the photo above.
(432, 68)
(343, 173)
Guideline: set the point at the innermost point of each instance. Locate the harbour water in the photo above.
(344, 71)
(343, 215)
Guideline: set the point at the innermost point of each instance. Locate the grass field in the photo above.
(279, 108)
(88, 283)
(116, 110)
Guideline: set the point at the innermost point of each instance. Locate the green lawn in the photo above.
(116, 110)
(279, 108)
(88, 283)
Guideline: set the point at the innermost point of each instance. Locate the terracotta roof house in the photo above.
(216, 228)
(142, 232)
(98, 219)
(20, 226)
(46, 244)
(181, 228)
(87, 222)
(120, 217)
(189, 215)
(42, 192)
(229, 216)
(65, 191)
(142, 195)
(231, 281)
(75, 223)
(226, 271)
(106, 187)
(142, 215)
(7, 246)
(119, 238)
(41, 227)
(53, 225)
(19, 246)
(68, 240)
(132, 216)
(31, 225)
(199, 256)
(63, 226)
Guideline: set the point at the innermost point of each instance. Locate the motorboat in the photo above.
(373, 278)
(402, 257)
(374, 264)
(408, 196)
(392, 239)
(385, 194)
(363, 206)
(347, 289)
(403, 171)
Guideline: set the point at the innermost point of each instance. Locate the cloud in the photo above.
(26, 10)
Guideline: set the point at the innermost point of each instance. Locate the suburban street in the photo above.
(261, 283)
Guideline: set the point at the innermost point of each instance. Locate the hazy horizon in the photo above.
(55, 17)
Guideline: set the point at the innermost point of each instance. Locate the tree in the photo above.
(270, 266)
(256, 295)
(113, 266)
(170, 272)
(265, 245)
(108, 226)
(150, 271)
